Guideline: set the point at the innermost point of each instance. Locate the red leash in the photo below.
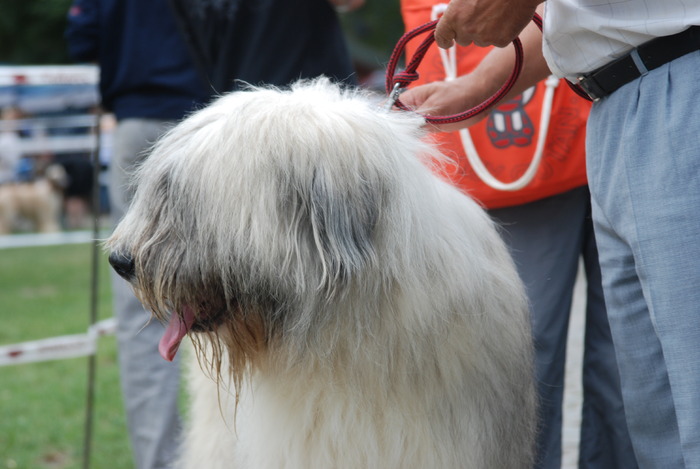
(397, 81)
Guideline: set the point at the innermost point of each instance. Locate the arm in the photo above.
(483, 22)
(83, 30)
(444, 98)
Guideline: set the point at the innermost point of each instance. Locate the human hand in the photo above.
(483, 22)
(344, 6)
(442, 98)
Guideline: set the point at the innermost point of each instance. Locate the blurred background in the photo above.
(49, 107)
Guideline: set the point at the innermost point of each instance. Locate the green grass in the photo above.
(45, 292)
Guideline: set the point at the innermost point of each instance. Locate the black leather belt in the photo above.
(639, 61)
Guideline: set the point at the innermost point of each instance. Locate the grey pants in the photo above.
(643, 160)
(150, 385)
(547, 239)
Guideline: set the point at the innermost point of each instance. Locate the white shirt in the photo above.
(583, 35)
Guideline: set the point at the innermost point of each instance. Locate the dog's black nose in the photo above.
(123, 265)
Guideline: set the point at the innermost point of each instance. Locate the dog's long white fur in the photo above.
(399, 336)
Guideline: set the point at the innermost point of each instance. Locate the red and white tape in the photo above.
(57, 348)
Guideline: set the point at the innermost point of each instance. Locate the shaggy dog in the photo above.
(349, 308)
(39, 202)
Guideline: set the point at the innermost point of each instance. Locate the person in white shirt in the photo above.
(638, 60)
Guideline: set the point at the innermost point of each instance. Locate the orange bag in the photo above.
(507, 140)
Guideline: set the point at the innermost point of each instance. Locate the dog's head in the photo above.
(255, 212)
(57, 177)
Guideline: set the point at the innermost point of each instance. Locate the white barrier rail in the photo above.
(49, 75)
(54, 135)
(57, 348)
(61, 347)
(48, 239)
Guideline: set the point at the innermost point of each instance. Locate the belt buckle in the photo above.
(591, 87)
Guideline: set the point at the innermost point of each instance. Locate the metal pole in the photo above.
(94, 287)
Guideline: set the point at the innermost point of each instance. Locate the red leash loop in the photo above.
(402, 79)
(396, 81)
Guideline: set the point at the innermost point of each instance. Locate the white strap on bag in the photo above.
(449, 62)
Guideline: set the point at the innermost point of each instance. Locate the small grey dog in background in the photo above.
(348, 308)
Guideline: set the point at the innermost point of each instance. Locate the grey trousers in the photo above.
(547, 239)
(150, 385)
(643, 160)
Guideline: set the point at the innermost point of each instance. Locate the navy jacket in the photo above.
(161, 58)
(264, 41)
(145, 66)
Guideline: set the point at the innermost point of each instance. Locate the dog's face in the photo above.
(57, 177)
(254, 210)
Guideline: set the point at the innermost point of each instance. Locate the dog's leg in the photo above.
(7, 208)
(46, 208)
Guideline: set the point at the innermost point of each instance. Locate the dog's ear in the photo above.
(343, 221)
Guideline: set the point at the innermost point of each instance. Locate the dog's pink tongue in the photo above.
(174, 333)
